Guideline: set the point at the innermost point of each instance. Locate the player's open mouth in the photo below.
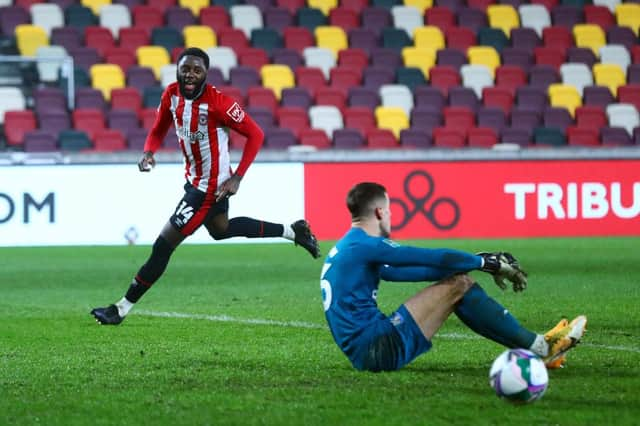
(189, 87)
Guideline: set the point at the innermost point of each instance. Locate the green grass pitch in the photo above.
(234, 334)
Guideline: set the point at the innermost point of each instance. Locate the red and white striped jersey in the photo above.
(200, 126)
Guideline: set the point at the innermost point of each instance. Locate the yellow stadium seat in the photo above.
(29, 38)
(590, 36)
(277, 77)
(564, 96)
(200, 36)
(484, 55)
(194, 5)
(428, 36)
(95, 5)
(154, 57)
(106, 77)
(628, 15)
(421, 5)
(419, 57)
(610, 75)
(323, 5)
(504, 17)
(392, 118)
(332, 38)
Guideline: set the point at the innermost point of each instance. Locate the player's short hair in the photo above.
(362, 197)
(195, 51)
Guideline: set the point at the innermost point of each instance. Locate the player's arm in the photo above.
(234, 117)
(156, 135)
(413, 273)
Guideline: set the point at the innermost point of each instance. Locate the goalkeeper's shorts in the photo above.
(390, 343)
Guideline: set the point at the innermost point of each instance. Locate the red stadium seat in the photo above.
(120, 56)
(549, 4)
(482, 137)
(359, 118)
(480, 4)
(293, 118)
(550, 55)
(252, 57)
(297, 38)
(109, 140)
(99, 38)
(558, 37)
(441, 17)
(16, 124)
(444, 137)
(629, 94)
(343, 78)
(291, 5)
(344, 18)
(580, 136)
(161, 5)
(444, 77)
(147, 18)
(599, 15)
(459, 118)
(460, 38)
(130, 38)
(353, 58)
(590, 117)
(126, 98)
(331, 96)
(498, 97)
(235, 38)
(510, 77)
(355, 5)
(314, 137)
(215, 17)
(148, 117)
(381, 139)
(89, 121)
(262, 97)
(310, 78)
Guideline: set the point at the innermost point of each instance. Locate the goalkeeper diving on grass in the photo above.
(374, 341)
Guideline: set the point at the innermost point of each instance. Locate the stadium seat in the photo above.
(323, 5)
(498, 97)
(392, 118)
(419, 57)
(590, 36)
(325, 117)
(107, 77)
(564, 96)
(396, 95)
(429, 37)
(582, 55)
(567, 15)
(74, 140)
(534, 16)
(114, 17)
(199, 36)
(543, 136)
(342, 78)
(598, 96)
(167, 37)
(629, 94)
(557, 117)
(147, 18)
(411, 77)
(441, 17)
(504, 17)
(47, 16)
(623, 115)
(493, 37)
(364, 97)
(296, 96)
(353, 58)
(124, 120)
(472, 19)
(484, 55)
(482, 137)
(492, 117)
(348, 139)
(459, 118)
(179, 17)
(88, 120)
(395, 38)
(451, 57)
(429, 97)
(310, 78)
(16, 124)
(154, 57)
(293, 118)
(194, 5)
(407, 18)
(360, 119)
(548, 55)
(109, 140)
(90, 98)
(425, 119)
(460, 38)
(525, 39)
(215, 17)
(622, 35)
(298, 38)
(375, 19)
(510, 77)
(223, 58)
(316, 138)
(29, 38)
(615, 54)
(476, 77)
(615, 136)
(590, 117)
(446, 137)
(39, 141)
(95, 5)
(320, 57)
(99, 38)
(382, 139)
(277, 77)
(49, 62)
(599, 15)
(628, 15)
(580, 136)
(463, 97)
(576, 75)
(132, 38)
(443, 78)
(415, 138)
(127, 98)
(609, 75)
(331, 38)
(246, 17)
(542, 76)
(310, 18)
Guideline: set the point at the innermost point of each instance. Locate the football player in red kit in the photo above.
(201, 115)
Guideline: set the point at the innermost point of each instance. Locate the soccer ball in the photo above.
(519, 376)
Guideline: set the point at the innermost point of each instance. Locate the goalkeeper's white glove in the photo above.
(503, 265)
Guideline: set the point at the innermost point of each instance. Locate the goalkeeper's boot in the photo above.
(562, 338)
(305, 238)
(108, 315)
(558, 362)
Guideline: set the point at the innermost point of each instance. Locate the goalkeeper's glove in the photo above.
(503, 265)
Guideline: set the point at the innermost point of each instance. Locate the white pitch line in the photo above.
(310, 325)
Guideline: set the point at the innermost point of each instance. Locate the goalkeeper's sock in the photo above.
(124, 306)
(540, 346)
(488, 318)
(251, 228)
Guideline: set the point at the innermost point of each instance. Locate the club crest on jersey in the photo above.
(202, 119)
(236, 113)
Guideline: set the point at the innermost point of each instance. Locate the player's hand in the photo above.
(147, 162)
(228, 188)
(503, 266)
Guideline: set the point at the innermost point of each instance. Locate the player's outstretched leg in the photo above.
(305, 238)
(561, 338)
(108, 315)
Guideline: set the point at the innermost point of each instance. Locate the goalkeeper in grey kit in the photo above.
(373, 341)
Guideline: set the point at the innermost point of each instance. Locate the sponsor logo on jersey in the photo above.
(396, 319)
(236, 113)
(192, 137)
